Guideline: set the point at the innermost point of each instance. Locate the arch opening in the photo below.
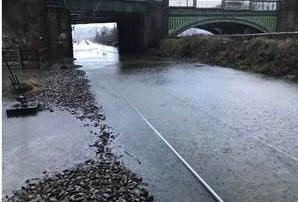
(230, 28)
(227, 26)
(194, 31)
(94, 40)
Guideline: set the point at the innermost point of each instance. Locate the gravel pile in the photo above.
(91, 181)
(68, 89)
(103, 178)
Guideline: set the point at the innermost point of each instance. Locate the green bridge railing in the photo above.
(259, 14)
(252, 5)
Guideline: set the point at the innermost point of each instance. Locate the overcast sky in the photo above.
(88, 31)
(95, 25)
(201, 3)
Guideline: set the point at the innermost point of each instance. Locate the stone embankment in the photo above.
(270, 54)
(103, 178)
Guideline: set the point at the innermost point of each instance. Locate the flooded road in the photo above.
(237, 130)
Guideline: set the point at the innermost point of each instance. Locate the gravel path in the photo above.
(103, 178)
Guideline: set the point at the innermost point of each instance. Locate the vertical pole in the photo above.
(20, 58)
(250, 5)
(223, 4)
(194, 3)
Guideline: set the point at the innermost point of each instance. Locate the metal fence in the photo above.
(253, 5)
(264, 5)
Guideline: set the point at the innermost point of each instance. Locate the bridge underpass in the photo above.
(139, 22)
(128, 27)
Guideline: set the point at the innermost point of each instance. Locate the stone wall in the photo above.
(32, 25)
(59, 24)
(23, 24)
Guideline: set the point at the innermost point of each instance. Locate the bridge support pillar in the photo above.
(59, 24)
(288, 16)
(140, 31)
(128, 34)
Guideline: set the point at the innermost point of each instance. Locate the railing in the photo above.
(253, 5)
(264, 5)
(21, 57)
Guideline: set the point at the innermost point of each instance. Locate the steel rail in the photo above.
(187, 165)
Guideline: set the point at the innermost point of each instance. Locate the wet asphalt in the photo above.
(237, 130)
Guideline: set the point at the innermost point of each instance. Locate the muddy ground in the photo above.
(271, 56)
(103, 178)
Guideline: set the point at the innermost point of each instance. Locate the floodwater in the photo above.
(47, 141)
(237, 130)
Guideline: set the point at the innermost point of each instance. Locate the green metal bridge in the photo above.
(261, 16)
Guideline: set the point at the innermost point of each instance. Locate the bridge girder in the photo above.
(116, 6)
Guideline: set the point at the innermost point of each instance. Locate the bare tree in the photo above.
(106, 35)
